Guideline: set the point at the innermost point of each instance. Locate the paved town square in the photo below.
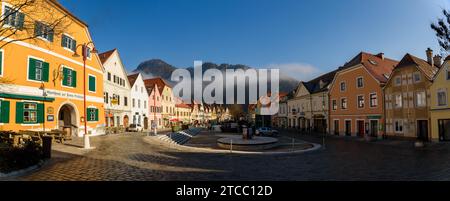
(128, 157)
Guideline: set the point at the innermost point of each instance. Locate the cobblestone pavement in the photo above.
(128, 157)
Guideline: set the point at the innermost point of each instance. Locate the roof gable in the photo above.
(428, 70)
(132, 78)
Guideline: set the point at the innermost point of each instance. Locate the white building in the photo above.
(139, 101)
(116, 90)
(308, 108)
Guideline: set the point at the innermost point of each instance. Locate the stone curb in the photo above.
(24, 171)
(186, 148)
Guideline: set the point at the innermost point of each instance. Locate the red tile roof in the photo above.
(105, 55)
(132, 79)
(183, 105)
(422, 65)
(158, 81)
(377, 65)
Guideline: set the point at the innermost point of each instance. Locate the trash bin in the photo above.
(47, 146)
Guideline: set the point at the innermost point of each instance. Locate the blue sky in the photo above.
(302, 37)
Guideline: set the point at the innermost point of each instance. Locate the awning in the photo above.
(26, 97)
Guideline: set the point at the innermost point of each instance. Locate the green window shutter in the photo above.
(32, 69)
(74, 45)
(46, 69)
(74, 79)
(92, 84)
(40, 113)
(21, 20)
(65, 77)
(63, 40)
(88, 114)
(65, 73)
(37, 29)
(50, 35)
(96, 114)
(7, 13)
(4, 112)
(19, 112)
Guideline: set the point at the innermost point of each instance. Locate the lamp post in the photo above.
(44, 94)
(84, 51)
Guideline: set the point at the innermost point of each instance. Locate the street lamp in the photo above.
(44, 94)
(85, 49)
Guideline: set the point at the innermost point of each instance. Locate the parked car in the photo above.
(135, 128)
(265, 131)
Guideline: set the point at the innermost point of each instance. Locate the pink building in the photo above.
(155, 104)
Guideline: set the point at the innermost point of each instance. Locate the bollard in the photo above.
(47, 147)
(231, 147)
(293, 144)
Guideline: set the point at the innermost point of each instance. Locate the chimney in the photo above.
(430, 56)
(437, 60)
(381, 55)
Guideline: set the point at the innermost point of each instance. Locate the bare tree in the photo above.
(442, 30)
(28, 20)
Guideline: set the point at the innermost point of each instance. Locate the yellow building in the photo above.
(43, 83)
(440, 104)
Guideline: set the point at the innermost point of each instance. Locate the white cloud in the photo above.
(300, 71)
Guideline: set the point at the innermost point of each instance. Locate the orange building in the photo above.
(44, 88)
(356, 96)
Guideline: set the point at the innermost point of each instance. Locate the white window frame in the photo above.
(424, 100)
(4, 5)
(357, 101)
(446, 98)
(89, 86)
(28, 68)
(71, 41)
(396, 78)
(42, 37)
(398, 106)
(400, 125)
(71, 78)
(370, 100)
(345, 86)
(346, 103)
(414, 77)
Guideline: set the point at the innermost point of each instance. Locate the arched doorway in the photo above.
(126, 121)
(67, 120)
(146, 123)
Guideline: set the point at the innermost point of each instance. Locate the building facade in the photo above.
(183, 113)
(116, 90)
(440, 104)
(155, 106)
(356, 98)
(139, 101)
(407, 97)
(44, 88)
(282, 116)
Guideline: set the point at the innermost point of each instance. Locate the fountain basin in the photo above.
(255, 144)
